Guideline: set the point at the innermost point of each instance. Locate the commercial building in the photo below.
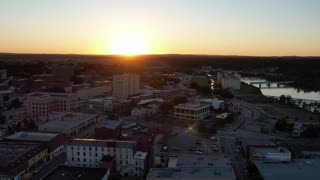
(54, 142)
(78, 173)
(40, 104)
(189, 167)
(192, 112)
(72, 124)
(140, 113)
(18, 160)
(107, 153)
(125, 85)
(229, 80)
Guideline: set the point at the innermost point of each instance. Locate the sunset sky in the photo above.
(229, 27)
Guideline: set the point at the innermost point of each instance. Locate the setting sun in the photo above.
(128, 43)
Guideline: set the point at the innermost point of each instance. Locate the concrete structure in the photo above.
(192, 112)
(54, 142)
(229, 80)
(78, 173)
(72, 124)
(39, 105)
(185, 167)
(18, 160)
(109, 129)
(125, 85)
(295, 170)
(121, 154)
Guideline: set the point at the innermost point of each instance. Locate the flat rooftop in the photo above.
(66, 121)
(32, 136)
(12, 151)
(76, 173)
(140, 155)
(308, 169)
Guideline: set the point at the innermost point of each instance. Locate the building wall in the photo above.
(190, 112)
(41, 105)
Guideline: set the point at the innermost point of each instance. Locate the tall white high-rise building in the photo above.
(125, 85)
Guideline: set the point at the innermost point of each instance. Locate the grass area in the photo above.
(249, 89)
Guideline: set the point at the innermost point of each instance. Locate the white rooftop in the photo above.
(140, 155)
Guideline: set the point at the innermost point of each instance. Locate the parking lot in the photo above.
(188, 142)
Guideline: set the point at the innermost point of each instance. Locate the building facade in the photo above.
(125, 85)
(191, 112)
(39, 105)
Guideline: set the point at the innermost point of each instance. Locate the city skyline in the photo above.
(215, 27)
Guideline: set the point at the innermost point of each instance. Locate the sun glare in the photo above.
(128, 43)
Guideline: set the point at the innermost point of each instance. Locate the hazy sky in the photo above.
(237, 27)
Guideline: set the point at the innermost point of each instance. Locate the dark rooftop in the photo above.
(76, 173)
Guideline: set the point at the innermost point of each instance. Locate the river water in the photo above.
(283, 90)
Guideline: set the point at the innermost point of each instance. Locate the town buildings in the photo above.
(125, 85)
(40, 104)
(18, 160)
(120, 155)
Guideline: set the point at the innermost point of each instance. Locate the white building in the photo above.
(190, 111)
(125, 85)
(39, 105)
(90, 152)
(229, 80)
(72, 124)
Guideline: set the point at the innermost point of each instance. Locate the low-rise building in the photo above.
(91, 92)
(192, 112)
(54, 142)
(78, 173)
(18, 160)
(72, 124)
(93, 152)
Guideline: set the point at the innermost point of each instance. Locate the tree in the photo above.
(282, 99)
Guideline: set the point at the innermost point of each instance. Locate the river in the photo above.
(284, 90)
